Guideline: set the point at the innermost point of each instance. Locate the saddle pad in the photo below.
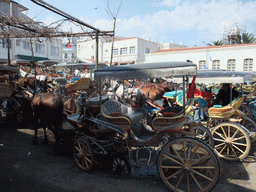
(172, 94)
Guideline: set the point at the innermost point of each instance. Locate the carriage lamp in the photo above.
(82, 98)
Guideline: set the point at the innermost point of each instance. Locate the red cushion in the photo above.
(168, 114)
(115, 114)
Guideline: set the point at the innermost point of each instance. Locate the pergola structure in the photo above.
(19, 27)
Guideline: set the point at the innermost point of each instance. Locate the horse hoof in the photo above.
(35, 143)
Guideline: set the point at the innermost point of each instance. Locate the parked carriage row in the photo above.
(183, 150)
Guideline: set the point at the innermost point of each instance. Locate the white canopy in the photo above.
(150, 70)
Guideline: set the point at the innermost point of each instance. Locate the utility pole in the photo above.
(97, 51)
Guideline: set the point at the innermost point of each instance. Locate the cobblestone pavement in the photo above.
(25, 167)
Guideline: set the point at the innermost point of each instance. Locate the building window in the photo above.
(216, 64)
(231, 65)
(54, 51)
(202, 64)
(66, 55)
(248, 64)
(79, 48)
(73, 55)
(147, 50)
(106, 51)
(132, 50)
(17, 42)
(40, 48)
(123, 51)
(115, 51)
(26, 45)
(92, 57)
(92, 47)
(4, 43)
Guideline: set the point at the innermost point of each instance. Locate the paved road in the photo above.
(25, 167)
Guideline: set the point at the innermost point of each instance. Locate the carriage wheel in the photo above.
(249, 124)
(231, 141)
(83, 154)
(186, 164)
(247, 110)
(120, 166)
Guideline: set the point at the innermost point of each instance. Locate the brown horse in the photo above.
(153, 91)
(48, 110)
(32, 83)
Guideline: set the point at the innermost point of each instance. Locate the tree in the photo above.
(216, 43)
(246, 39)
(113, 16)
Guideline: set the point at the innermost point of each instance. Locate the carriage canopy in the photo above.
(223, 76)
(149, 70)
(5, 69)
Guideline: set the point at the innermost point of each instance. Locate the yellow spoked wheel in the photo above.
(83, 154)
(231, 141)
(187, 164)
(249, 124)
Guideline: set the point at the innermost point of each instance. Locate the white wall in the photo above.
(69, 50)
(222, 53)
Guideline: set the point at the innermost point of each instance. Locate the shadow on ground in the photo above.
(35, 168)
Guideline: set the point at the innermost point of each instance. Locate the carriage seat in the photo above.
(171, 109)
(95, 101)
(121, 114)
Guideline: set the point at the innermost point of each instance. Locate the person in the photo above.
(199, 113)
(224, 94)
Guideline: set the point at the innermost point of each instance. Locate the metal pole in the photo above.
(184, 94)
(9, 51)
(97, 51)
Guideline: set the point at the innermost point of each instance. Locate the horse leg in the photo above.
(57, 141)
(45, 135)
(35, 142)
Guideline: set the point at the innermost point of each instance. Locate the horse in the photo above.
(124, 94)
(32, 83)
(153, 91)
(48, 111)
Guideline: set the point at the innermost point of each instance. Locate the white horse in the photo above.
(134, 96)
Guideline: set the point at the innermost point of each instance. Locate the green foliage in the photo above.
(248, 38)
(216, 43)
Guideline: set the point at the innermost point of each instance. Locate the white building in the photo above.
(43, 48)
(125, 51)
(69, 49)
(236, 57)
(86, 48)
(129, 50)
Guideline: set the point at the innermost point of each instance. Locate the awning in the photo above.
(26, 57)
(20, 62)
(47, 62)
(125, 62)
(2, 60)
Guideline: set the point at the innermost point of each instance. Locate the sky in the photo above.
(190, 22)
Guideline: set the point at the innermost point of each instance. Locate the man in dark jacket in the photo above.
(224, 94)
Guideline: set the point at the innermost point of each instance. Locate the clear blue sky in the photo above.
(183, 21)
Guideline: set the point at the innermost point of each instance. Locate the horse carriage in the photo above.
(231, 125)
(11, 109)
(104, 126)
